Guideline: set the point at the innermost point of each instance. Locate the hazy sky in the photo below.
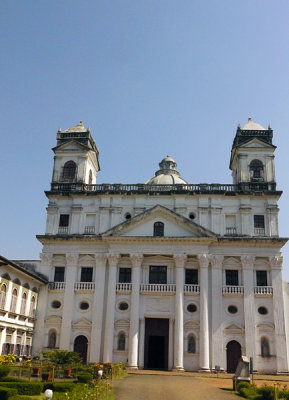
(150, 78)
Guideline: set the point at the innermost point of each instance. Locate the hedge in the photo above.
(6, 393)
(4, 370)
(28, 388)
(12, 379)
(59, 386)
(18, 397)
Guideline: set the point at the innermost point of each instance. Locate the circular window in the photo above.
(192, 216)
(262, 310)
(232, 309)
(56, 304)
(127, 216)
(123, 306)
(192, 308)
(84, 305)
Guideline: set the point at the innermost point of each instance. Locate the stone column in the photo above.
(41, 307)
(278, 314)
(110, 308)
(179, 313)
(97, 310)
(217, 311)
(249, 306)
(141, 343)
(204, 313)
(136, 260)
(68, 300)
(2, 338)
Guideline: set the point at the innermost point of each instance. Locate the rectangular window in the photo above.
(232, 277)
(86, 274)
(158, 274)
(191, 277)
(259, 221)
(64, 220)
(59, 274)
(124, 275)
(261, 278)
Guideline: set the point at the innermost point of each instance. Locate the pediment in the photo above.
(191, 324)
(81, 323)
(175, 225)
(53, 320)
(265, 326)
(72, 145)
(256, 143)
(86, 260)
(234, 328)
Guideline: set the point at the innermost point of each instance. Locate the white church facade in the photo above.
(165, 274)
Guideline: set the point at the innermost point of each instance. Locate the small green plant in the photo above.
(84, 377)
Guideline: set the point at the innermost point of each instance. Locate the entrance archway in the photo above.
(156, 343)
(80, 347)
(234, 352)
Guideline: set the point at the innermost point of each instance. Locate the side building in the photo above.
(20, 285)
(164, 274)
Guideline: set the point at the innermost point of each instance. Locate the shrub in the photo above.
(267, 392)
(59, 386)
(241, 385)
(84, 377)
(4, 371)
(12, 379)
(28, 388)
(250, 393)
(18, 397)
(6, 393)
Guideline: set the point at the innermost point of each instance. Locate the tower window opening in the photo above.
(159, 228)
(256, 171)
(69, 171)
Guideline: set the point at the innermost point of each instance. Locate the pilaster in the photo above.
(217, 310)
(204, 313)
(68, 301)
(136, 260)
(110, 307)
(179, 313)
(97, 311)
(249, 306)
(278, 313)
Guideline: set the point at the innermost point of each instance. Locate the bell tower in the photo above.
(76, 156)
(252, 155)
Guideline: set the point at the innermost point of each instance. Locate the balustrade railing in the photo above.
(89, 230)
(56, 285)
(200, 187)
(158, 287)
(231, 231)
(259, 231)
(123, 287)
(233, 290)
(263, 290)
(63, 230)
(192, 288)
(84, 286)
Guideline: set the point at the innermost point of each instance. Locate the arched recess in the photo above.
(13, 301)
(256, 171)
(3, 296)
(51, 339)
(191, 344)
(265, 347)
(234, 352)
(121, 341)
(69, 171)
(80, 347)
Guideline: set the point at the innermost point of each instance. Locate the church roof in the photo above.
(167, 174)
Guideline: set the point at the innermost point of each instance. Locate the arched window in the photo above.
(3, 296)
(256, 171)
(121, 341)
(69, 170)
(191, 344)
(32, 307)
(13, 301)
(90, 177)
(52, 340)
(265, 347)
(23, 304)
(159, 228)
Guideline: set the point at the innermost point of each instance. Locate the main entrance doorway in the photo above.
(156, 343)
(234, 352)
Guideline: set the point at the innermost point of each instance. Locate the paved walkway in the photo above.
(164, 387)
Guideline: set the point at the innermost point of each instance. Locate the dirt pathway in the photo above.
(159, 387)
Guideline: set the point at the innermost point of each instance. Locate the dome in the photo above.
(252, 126)
(167, 174)
(77, 128)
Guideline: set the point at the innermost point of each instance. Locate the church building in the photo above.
(165, 274)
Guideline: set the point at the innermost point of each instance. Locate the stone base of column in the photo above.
(132, 367)
(204, 370)
(178, 369)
